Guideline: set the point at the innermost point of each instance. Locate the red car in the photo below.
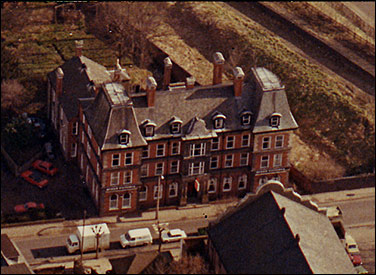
(34, 177)
(22, 208)
(45, 167)
(355, 259)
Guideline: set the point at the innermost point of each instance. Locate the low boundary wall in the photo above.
(307, 186)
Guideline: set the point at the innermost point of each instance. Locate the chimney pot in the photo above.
(79, 46)
(218, 68)
(59, 73)
(167, 72)
(190, 82)
(218, 58)
(238, 81)
(167, 62)
(59, 81)
(151, 86)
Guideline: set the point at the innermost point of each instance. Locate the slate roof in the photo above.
(271, 99)
(76, 82)
(7, 248)
(274, 234)
(198, 103)
(114, 110)
(21, 268)
(109, 114)
(138, 263)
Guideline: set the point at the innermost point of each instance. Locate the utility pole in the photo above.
(97, 230)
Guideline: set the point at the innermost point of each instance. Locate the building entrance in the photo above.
(192, 194)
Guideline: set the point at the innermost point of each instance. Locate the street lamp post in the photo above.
(159, 190)
(157, 212)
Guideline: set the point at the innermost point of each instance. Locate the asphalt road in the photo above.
(37, 249)
(358, 217)
(358, 214)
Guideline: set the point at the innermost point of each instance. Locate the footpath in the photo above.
(192, 211)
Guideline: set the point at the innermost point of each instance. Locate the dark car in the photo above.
(39, 125)
(34, 177)
(45, 167)
(22, 208)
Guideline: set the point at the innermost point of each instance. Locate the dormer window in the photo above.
(124, 137)
(149, 128)
(219, 121)
(246, 118)
(275, 120)
(175, 125)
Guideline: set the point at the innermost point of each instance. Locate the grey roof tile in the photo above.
(76, 82)
(260, 237)
(109, 114)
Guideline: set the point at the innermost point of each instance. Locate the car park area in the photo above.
(65, 194)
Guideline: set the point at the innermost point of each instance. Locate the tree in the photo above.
(130, 25)
(13, 96)
(9, 64)
(188, 264)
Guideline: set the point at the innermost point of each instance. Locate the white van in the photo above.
(136, 237)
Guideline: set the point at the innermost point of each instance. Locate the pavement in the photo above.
(344, 195)
(191, 211)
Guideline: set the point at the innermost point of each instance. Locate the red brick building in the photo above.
(200, 143)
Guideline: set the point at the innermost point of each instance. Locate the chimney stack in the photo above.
(59, 82)
(167, 72)
(218, 68)
(190, 82)
(151, 86)
(238, 81)
(79, 46)
(117, 71)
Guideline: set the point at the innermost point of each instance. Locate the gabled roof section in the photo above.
(95, 72)
(272, 233)
(198, 130)
(77, 82)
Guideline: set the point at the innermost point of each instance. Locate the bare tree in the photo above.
(130, 25)
(13, 96)
(189, 264)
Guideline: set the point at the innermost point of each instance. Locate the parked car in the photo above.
(45, 167)
(48, 148)
(34, 177)
(356, 259)
(173, 235)
(351, 246)
(22, 208)
(136, 237)
(39, 125)
(361, 270)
